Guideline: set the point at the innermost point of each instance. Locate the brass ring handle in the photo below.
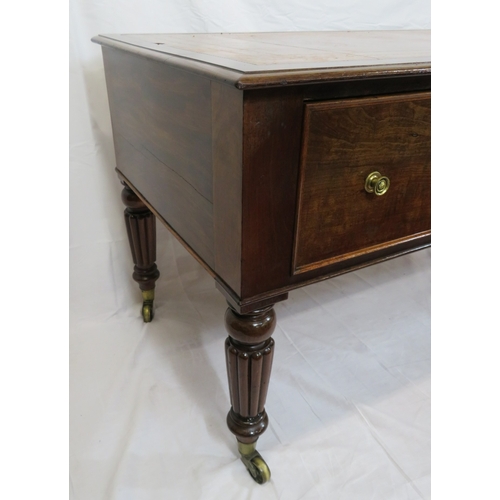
(377, 183)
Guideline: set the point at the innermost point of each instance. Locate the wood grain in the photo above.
(259, 52)
(176, 235)
(271, 130)
(227, 154)
(344, 141)
(161, 119)
(259, 60)
(219, 165)
(249, 355)
(165, 112)
(141, 231)
(189, 214)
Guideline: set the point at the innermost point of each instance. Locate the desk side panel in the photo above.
(162, 130)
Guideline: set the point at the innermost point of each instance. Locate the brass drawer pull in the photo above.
(377, 183)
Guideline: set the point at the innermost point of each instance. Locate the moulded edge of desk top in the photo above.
(269, 78)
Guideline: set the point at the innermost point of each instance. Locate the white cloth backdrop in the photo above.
(349, 401)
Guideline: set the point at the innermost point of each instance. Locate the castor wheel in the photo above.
(254, 463)
(147, 305)
(147, 313)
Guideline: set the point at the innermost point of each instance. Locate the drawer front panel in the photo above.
(344, 142)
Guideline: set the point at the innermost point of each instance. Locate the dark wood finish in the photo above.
(343, 142)
(366, 87)
(141, 231)
(216, 155)
(172, 114)
(337, 75)
(166, 224)
(253, 149)
(271, 171)
(419, 242)
(260, 60)
(227, 154)
(272, 130)
(161, 120)
(244, 307)
(249, 355)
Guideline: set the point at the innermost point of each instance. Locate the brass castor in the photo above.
(147, 305)
(254, 463)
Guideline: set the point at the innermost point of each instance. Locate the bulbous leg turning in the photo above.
(249, 355)
(141, 231)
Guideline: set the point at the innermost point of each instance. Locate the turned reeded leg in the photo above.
(249, 355)
(141, 230)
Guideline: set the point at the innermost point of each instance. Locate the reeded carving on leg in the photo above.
(249, 373)
(141, 229)
(249, 355)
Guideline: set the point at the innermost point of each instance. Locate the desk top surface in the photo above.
(262, 54)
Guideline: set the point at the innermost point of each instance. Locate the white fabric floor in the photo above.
(349, 400)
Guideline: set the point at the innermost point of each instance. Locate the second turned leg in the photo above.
(141, 230)
(249, 355)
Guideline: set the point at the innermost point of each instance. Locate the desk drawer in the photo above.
(343, 143)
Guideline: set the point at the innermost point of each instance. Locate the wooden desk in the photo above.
(278, 160)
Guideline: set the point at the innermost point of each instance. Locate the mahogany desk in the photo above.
(278, 160)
